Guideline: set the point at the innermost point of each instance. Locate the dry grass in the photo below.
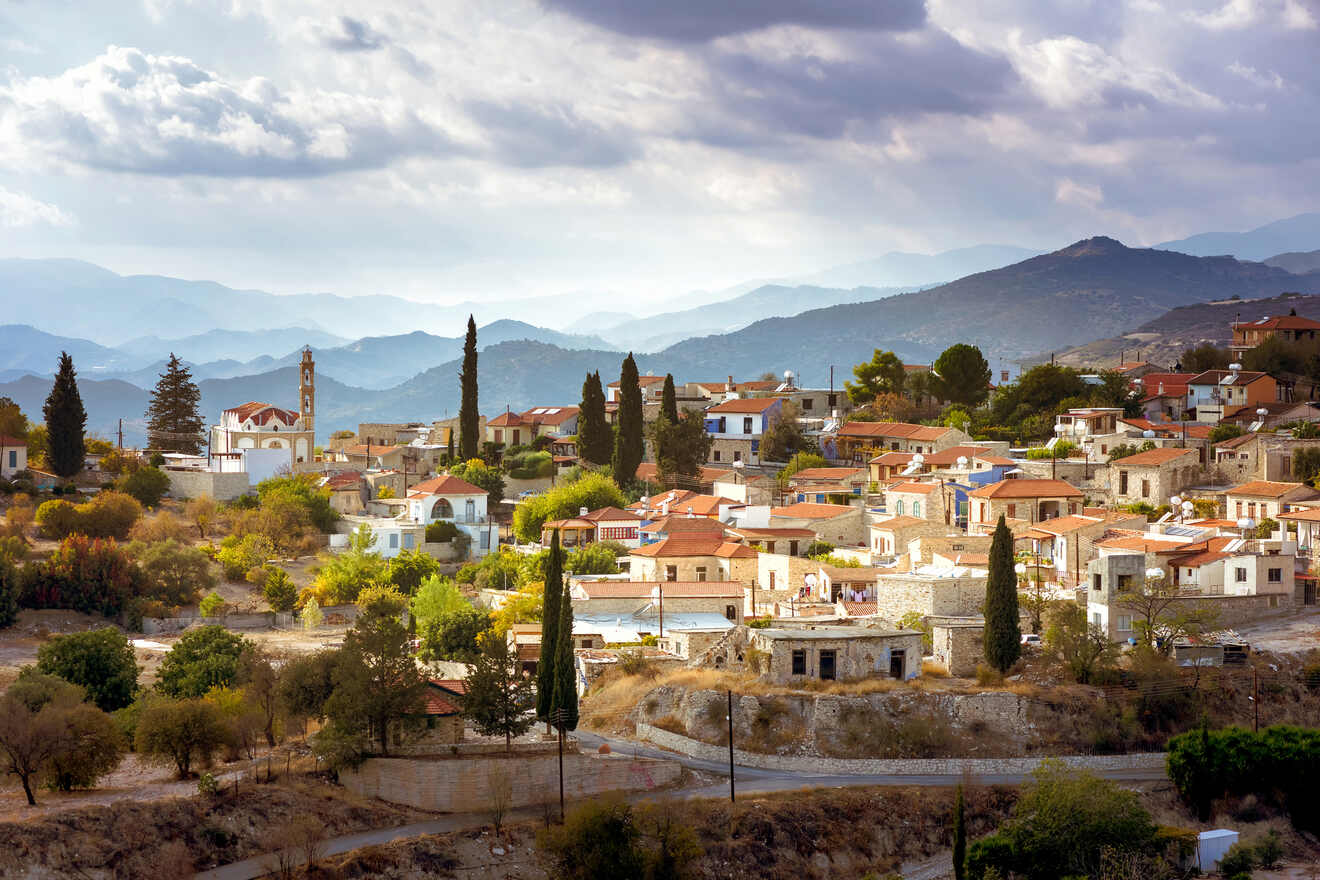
(932, 669)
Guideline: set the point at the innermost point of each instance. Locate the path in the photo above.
(747, 781)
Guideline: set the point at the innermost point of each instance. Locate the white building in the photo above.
(449, 499)
(13, 456)
(257, 425)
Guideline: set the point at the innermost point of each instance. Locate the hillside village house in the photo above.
(520, 429)
(1265, 499)
(978, 464)
(365, 456)
(917, 500)
(1095, 429)
(890, 537)
(631, 598)
(653, 388)
(588, 527)
(788, 541)
(837, 653)
(1289, 328)
(449, 499)
(839, 524)
(817, 484)
(1153, 476)
(1214, 393)
(1024, 500)
(256, 425)
(737, 426)
(1065, 543)
(1163, 396)
(13, 456)
(859, 442)
(695, 557)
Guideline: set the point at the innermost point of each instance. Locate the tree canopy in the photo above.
(592, 491)
(100, 661)
(174, 423)
(66, 422)
(201, 659)
(961, 375)
(595, 437)
(469, 426)
(628, 441)
(883, 373)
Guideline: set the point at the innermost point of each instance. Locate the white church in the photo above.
(265, 426)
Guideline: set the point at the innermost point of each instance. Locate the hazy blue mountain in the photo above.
(23, 347)
(106, 402)
(1296, 262)
(235, 345)
(900, 269)
(1300, 233)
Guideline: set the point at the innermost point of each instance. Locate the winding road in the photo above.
(748, 781)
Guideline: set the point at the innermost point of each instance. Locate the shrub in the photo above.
(93, 576)
(99, 749)
(148, 485)
(173, 573)
(107, 515)
(1239, 860)
(164, 526)
(239, 555)
(201, 659)
(454, 635)
(101, 661)
(409, 569)
(441, 532)
(592, 491)
(819, 548)
(279, 590)
(212, 605)
(180, 732)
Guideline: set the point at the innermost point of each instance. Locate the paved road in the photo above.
(747, 780)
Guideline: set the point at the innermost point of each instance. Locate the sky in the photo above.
(630, 152)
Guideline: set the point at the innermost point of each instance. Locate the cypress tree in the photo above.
(669, 400)
(545, 667)
(628, 443)
(449, 450)
(469, 443)
(1003, 635)
(66, 421)
(959, 837)
(565, 705)
(595, 441)
(173, 423)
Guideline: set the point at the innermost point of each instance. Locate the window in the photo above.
(772, 580)
(1145, 488)
(499, 435)
(485, 540)
(792, 548)
(807, 404)
(916, 508)
(799, 661)
(737, 456)
(1122, 482)
(898, 508)
(1275, 576)
(701, 572)
(1239, 510)
(471, 510)
(13, 458)
(1240, 575)
(1124, 582)
(671, 572)
(747, 424)
(1124, 623)
(827, 664)
(1011, 511)
(833, 400)
(1095, 618)
(394, 540)
(1251, 509)
(715, 456)
(409, 541)
(769, 546)
(731, 612)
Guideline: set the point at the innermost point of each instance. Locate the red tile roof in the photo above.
(708, 544)
(1278, 322)
(6, 440)
(612, 514)
(899, 522)
(1266, 489)
(913, 488)
(829, 473)
(1027, 489)
(670, 589)
(892, 429)
(257, 412)
(809, 510)
(1062, 525)
(445, 485)
(1217, 377)
(1154, 457)
(745, 405)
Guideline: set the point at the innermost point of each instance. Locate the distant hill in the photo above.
(1095, 287)
(1164, 339)
(1300, 233)
(899, 269)
(25, 348)
(106, 402)
(1296, 262)
(236, 345)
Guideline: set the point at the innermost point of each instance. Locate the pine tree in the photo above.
(628, 445)
(545, 667)
(497, 695)
(564, 708)
(66, 421)
(669, 400)
(173, 422)
(1003, 635)
(959, 837)
(595, 442)
(469, 443)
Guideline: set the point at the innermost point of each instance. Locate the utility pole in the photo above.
(1255, 699)
(559, 718)
(121, 435)
(731, 797)
(660, 590)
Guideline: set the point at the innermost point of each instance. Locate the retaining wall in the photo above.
(467, 784)
(889, 766)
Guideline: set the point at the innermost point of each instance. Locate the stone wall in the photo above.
(864, 655)
(467, 783)
(194, 484)
(898, 767)
(958, 646)
(897, 594)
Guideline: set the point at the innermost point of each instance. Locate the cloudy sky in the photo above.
(494, 148)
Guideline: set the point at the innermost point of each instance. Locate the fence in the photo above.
(260, 620)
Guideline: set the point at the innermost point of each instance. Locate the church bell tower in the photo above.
(307, 390)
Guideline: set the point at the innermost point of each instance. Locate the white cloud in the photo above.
(1082, 195)
(1233, 15)
(20, 209)
(1268, 79)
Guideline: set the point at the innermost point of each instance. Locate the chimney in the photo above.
(582, 511)
(729, 385)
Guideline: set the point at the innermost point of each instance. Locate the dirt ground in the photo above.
(1296, 632)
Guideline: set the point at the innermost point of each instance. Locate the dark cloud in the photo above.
(549, 134)
(884, 78)
(697, 21)
(353, 35)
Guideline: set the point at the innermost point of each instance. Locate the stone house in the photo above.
(1068, 542)
(919, 500)
(837, 653)
(1151, 477)
(520, 429)
(859, 442)
(1024, 500)
(1290, 328)
(840, 525)
(694, 556)
(443, 712)
(958, 643)
(631, 598)
(348, 492)
(891, 537)
(955, 592)
(1262, 499)
(737, 426)
(1215, 393)
(769, 539)
(923, 550)
(824, 483)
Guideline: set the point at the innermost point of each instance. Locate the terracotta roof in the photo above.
(1266, 489)
(642, 381)
(745, 405)
(1153, 457)
(506, 420)
(612, 514)
(6, 440)
(1278, 322)
(549, 415)
(899, 522)
(893, 459)
(335, 482)
(913, 488)
(674, 589)
(372, 449)
(1196, 560)
(445, 485)
(829, 473)
(696, 545)
(683, 524)
(250, 409)
(861, 609)
(1146, 543)
(441, 700)
(892, 429)
(1027, 489)
(1307, 514)
(996, 460)
(701, 505)
(847, 575)
(950, 456)
(771, 532)
(575, 523)
(810, 510)
(1235, 442)
(1062, 525)
(655, 502)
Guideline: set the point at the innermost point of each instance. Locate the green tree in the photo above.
(182, 732)
(294, 500)
(173, 573)
(148, 485)
(436, 596)
(100, 661)
(1003, 634)
(959, 837)
(564, 704)
(343, 576)
(409, 569)
(961, 375)
(1160, 618)
(800, 462)
(600, 557)
(598, 840)
(93, 748)
(1206, 356)
(306, 683)
(10, 589)
(377, 684)
(237, 556)
(174, 423)
(669, 400)
(483, 476)
(469, 438)
(1083, 646)
(681, 448)
(1306, 464)
(550, 601)
(498, 697)
(454, 635)
(201, 659)
(46, 731)
(1226, 431)
(784, 437)
(595, 438)
(66, 422)
(593, 491)
(882, 374)
(260, 679)
(279, 590)
(12, 421)
(628, 443)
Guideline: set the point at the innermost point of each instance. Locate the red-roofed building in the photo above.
(1212, 393)
(723, 597)
(1163, 396)
(736, 427)
(1025, 500)
(1289, 328)
(13, 456)
(1151, 477)
(449, 499)
(839, 524)
(859, 442)
(694, 556)
(520, 429)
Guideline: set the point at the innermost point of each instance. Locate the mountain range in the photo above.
(1300, 233)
